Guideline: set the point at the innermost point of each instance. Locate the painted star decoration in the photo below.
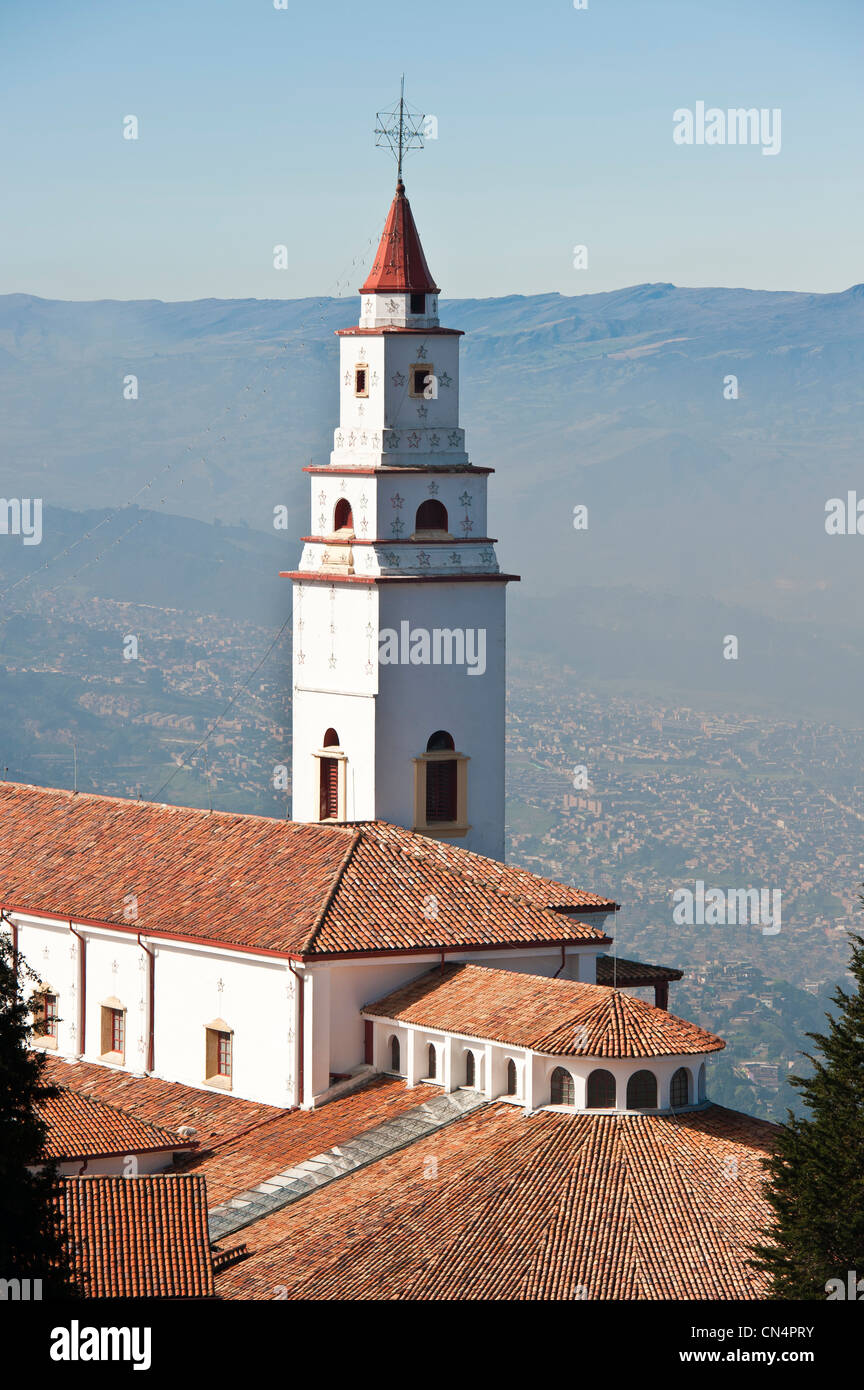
(445, 379)
(453, 439)
(398, 379)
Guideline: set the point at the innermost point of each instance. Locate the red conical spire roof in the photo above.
(399, 266)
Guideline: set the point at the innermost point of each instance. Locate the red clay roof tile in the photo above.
(83, 1126)
(258, 883)
(558, 1017)
(551, 1206)
(138, 1237)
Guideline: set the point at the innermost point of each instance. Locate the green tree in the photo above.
(816, 1183)
(31, 1243)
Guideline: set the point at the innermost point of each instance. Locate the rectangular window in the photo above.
(219, 1055)
(49, 1016)
(441, 791)
(419, 375)
(361, 381)
(113, 1031)
(418, 304)
(329, 800)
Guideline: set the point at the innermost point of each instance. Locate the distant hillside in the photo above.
(706, 515)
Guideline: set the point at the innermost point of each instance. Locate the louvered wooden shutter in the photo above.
(329, 788)
(440, 791)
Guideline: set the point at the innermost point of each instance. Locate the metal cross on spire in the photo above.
(401, 129)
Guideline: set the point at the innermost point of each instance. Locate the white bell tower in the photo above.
(399, 603)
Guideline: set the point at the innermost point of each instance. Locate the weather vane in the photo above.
(401, 129)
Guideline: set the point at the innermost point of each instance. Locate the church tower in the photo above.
(399, 603)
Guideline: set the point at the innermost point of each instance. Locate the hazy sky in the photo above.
(554, 129)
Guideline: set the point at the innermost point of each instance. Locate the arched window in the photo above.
(441, 780)
(440, 742)
(329, 788)
(395, 1054)
(331, 739)
(601, 1090)
(679, 1090)
(432, 1064)
(431, 516)
(562, 1089)
(702, 1082)
(343, 518)
(470, 1070)
(512, 1079)
(642, 1091)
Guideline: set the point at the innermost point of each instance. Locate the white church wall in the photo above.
(356, 983)
(463, 496)
(116, 971)
(118, 1165)
(362, 414)
(51, 950)
(257, 1002)
(338, 696)
(415, 701)
(325, 490)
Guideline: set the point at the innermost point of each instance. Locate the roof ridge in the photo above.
(309, 939)
(502, 892)
(198, 811)
(121, 1110)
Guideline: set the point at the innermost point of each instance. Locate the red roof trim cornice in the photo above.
(313, 577)
(358, 332)
(306, 957)
(139, 930)
(328, 470)
(461, 540)
(589, 942)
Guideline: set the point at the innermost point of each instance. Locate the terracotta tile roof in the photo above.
(138, 1237)
(500, 1206)
(241, 1143)
(629, 973)
(215, 1115)
(268, 884)
(560, 1017)
(398, 889)
(295, 1135)
(82, 1126)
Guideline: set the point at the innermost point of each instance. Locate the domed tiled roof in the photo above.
(557, 1017)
